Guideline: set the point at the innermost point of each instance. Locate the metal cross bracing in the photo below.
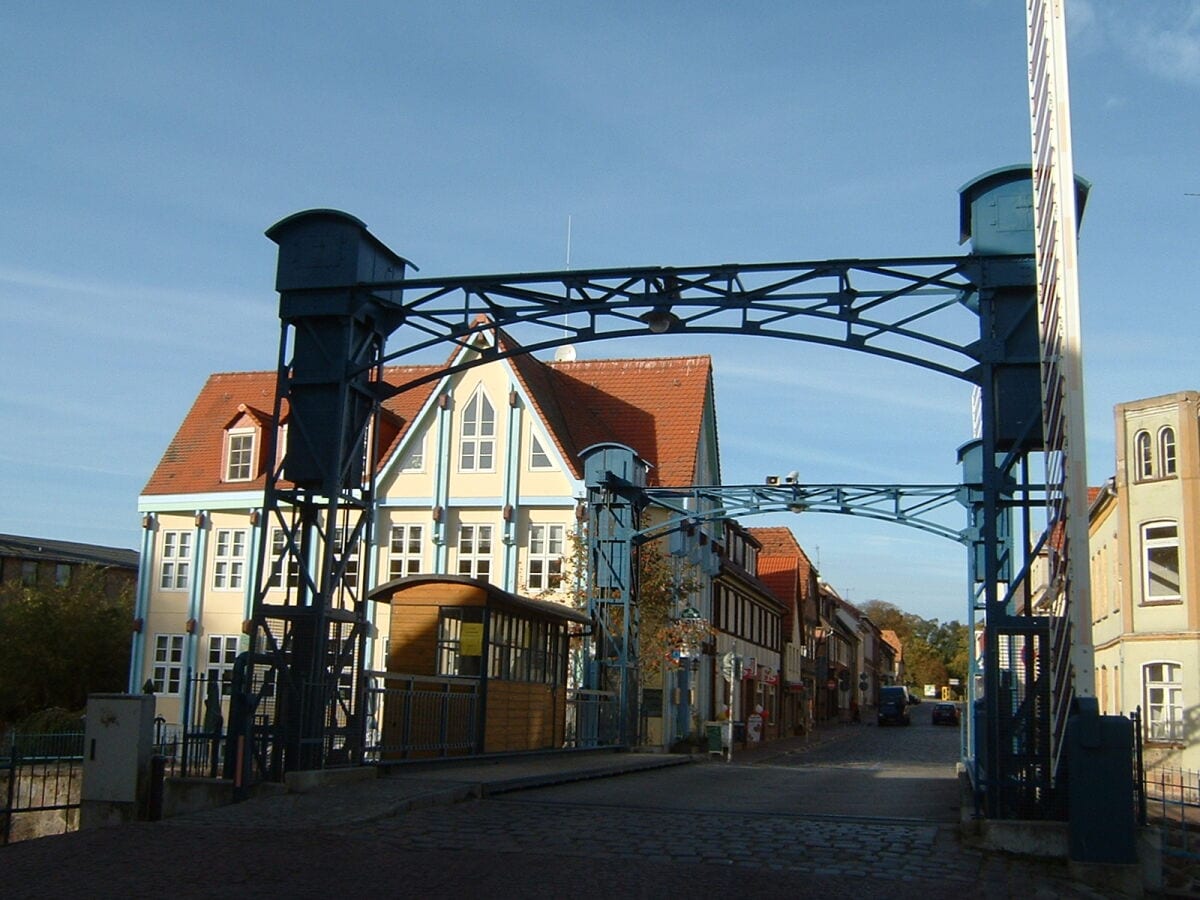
(920, 506)
(343, 294)
(914, 310)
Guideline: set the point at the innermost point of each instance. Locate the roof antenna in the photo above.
(566, 352)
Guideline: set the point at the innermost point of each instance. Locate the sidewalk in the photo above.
(358, 796)
(366, 795)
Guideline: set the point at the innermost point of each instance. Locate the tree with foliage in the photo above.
(59, 643)
(933, 653)
(664, 585)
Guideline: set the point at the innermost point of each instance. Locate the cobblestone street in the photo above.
(711, 829)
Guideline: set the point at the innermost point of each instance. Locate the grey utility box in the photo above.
(117, 741)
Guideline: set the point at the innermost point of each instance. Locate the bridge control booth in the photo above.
(471, 669)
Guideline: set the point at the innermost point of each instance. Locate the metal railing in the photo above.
(419, 716)
(592, 718)
(1171, 800)
(42, 773)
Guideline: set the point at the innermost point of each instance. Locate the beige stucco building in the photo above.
(1145, 558)
(479, 475)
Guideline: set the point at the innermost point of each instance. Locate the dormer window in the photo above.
(241, 444)
(239, 455)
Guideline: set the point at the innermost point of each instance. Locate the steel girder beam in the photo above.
(920, 506)
(916, 310)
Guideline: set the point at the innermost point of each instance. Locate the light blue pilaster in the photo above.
(508, 501)
(141, 603)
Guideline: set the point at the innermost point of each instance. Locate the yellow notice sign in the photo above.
(471, 640)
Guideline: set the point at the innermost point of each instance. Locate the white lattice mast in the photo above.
(1056, 230)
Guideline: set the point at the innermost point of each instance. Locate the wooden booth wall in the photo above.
(518, 715)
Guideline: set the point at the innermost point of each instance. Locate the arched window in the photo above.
(1166, 450)
(478, 448)
(1143, 459)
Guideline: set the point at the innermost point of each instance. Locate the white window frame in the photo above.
(1167, 451)
(475, 550)
(350, 575)
(1162, 682)
(239, 462)
(1154, 545)
(222, 653)
(278, 540)
(1143, 456)
(229, 559)
(175, 561)
(406, 550)
(167, 668)
(477, 443)
(544, 558)
(414, 455)
(539, 459)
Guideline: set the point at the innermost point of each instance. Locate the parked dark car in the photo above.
(945, 714)
(893, 706)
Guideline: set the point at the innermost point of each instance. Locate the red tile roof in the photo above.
(192, 462)
(778, 541)
(656, 406)
(783, 565)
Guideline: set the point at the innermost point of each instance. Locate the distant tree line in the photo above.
(59, 643)
(933, 652)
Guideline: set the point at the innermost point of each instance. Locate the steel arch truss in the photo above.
(918, 506)
(919, 311)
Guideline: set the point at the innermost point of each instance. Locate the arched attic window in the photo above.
(1143, 456)
(477, 450)
(1166, 450)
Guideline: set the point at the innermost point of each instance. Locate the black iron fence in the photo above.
(41, 776)
(592, 718)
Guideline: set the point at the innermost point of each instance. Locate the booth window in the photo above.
(457, 656)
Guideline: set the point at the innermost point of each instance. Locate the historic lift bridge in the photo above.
(343, 294)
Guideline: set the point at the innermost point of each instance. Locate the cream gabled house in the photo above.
(1145, 557)
(479, 475)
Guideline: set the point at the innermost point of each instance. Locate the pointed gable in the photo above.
(783, 564)
(657, 406)
(661, 407)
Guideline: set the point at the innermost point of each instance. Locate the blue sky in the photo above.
(147, 146)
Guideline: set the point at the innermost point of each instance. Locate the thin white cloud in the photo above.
(40, 462)
(839, 386)
(62, 284)
(1162, 39)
